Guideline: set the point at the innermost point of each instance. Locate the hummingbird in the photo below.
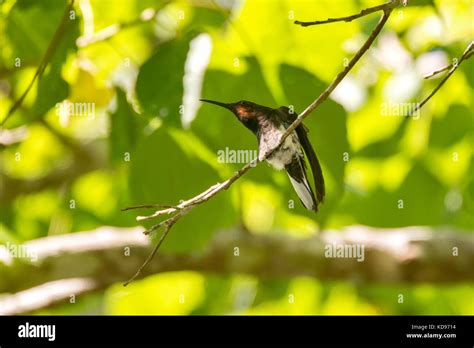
(269, 125)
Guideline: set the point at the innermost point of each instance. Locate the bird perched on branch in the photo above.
(269, 125)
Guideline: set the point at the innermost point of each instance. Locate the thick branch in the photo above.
(99, 258)
(12, 136)
(46, 295)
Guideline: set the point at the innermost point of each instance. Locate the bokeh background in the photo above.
(144, 64)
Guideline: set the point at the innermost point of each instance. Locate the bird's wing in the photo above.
(314, 163)
(302, 131)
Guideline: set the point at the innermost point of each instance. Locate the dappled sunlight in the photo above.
(114, 120)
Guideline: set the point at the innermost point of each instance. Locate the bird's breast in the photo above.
(285, 153)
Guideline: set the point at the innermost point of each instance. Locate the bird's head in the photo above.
(242, 109)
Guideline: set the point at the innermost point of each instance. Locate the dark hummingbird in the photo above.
(268, 125)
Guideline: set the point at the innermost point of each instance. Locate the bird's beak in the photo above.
(229, 106)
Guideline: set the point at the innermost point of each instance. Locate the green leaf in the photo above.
(266, 29)
(271, 290)
(124, 130)
(206, 18)
(467, 67)
(450, 129)
(159, 86)
(164, 172)
(421, 195)
(30, 25)
(218, 296)
(382, 149)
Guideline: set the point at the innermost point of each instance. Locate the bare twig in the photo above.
(383, 7)
(108, 32)
(169, 224)
(436, 72)
(188, 205)
(468, 52)
(44, 62)
(163, 206)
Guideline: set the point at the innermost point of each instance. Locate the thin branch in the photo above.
(188, 205)
(436, 72)
(468, 52)
(169, 223)
(149, 206)
(58, 35)
(108, 32)
(391, 4)
(339, 77)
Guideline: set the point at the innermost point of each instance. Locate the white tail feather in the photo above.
(304, 192)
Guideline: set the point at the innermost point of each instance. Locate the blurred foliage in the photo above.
(141, 81)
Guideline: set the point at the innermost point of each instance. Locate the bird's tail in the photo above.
(297, 173)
